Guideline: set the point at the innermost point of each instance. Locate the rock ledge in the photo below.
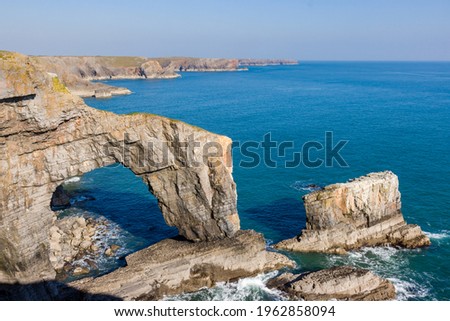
(340, 283)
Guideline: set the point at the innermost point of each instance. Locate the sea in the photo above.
(376, 115)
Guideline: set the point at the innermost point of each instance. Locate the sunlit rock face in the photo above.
(48, 135)
(365, 211)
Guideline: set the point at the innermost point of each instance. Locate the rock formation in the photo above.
(199, 64)
(267, 62)
(47, 135)
(362, 212)
(178, 266)
(73, 238)
(77, 73)
(339, 283)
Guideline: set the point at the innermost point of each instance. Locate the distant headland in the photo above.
(77, 72)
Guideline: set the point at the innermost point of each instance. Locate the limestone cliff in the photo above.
(47, 135)
(267, 62)
(77, 73)
(362, 212)
(199, 64)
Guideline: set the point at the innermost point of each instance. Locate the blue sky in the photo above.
(305, 30)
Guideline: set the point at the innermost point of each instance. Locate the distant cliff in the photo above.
(78, 72)
(267, 62)
(199, 64)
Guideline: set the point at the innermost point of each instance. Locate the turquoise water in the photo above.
(395, 116)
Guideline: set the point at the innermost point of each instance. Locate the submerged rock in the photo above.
(339, 283)
(365, 211)
(80, 270)
(110, 251)
(176, 266)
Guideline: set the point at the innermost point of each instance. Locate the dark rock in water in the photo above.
(60, 198)
(339, 283)
(362, 212)
(91, 264)
(80, 270)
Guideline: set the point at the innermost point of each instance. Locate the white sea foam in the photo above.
(79, 198)
(407, 290)
(307, 185)
(390, 263)
(74, 179)
(437, 236)
(253, 289)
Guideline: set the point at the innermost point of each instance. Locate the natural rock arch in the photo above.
(48, 135)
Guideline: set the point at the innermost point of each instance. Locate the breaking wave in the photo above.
(246, 289)
(307, 186)
(74, 179)
(392, 264)
(438, 236)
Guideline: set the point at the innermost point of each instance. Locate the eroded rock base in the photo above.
(339, 283)
(176, 266)
(362, 212)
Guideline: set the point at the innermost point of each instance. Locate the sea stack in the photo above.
(365, 211)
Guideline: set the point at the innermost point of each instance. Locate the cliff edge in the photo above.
(48, 135)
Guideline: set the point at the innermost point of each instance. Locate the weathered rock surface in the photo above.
(175, 266)
(362, 212)
(71, 238)
(48, 135)
(340, 283)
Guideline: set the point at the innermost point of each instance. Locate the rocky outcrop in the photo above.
(176, 266)
(199, 64)
(77, 73)
(72, 238)
(338, 283)
(48, 135)
(267, 62)
(362, 212)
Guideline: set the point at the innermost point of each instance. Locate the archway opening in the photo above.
(113, 212)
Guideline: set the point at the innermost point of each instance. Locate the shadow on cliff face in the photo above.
(287, 218)
(48, 291)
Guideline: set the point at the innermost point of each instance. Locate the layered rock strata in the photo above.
(362, 212)
(338, 283)
(177, 266)
(48, 135)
